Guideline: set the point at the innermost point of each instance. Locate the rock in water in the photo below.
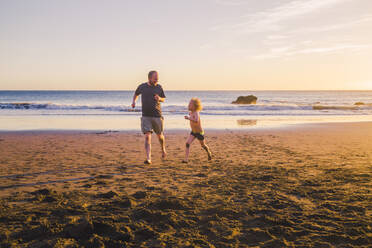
(251, 99)
(359, 103)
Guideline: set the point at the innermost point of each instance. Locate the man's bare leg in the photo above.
(162, 144)
(148, 147)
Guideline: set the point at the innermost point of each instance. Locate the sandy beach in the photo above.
(304, 186)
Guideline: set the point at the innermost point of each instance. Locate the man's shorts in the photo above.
(199, 136)
(152, 124)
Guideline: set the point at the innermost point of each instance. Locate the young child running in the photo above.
(196, 129)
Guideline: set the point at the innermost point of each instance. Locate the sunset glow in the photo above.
(212, 44)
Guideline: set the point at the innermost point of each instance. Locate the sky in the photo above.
(194, 44)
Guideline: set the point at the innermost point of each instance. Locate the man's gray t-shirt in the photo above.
(150, 107)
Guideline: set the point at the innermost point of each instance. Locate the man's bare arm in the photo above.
(159, 99)
(135, 97)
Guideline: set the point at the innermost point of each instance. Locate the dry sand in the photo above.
(308, 186)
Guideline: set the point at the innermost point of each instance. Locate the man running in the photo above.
(152, 119)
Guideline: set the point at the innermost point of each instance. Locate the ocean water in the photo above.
(110, 110)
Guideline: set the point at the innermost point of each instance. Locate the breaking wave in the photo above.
(277, 108)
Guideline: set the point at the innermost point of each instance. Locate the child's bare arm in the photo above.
(194, 117)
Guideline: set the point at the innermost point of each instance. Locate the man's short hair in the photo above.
(150, 73)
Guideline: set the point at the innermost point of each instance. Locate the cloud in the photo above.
(271, 19)
(349, 24)
(304, 46)
(284, 30)
(291, 51)
(295, 35)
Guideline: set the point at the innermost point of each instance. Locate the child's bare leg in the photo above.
(190, 139)
(206, 148)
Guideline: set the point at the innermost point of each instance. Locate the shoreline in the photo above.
(282, 127)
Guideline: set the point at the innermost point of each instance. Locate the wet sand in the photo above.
(306, 186)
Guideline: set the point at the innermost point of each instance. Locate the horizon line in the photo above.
(186, 90)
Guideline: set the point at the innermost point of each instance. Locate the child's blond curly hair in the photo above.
(197, 103)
